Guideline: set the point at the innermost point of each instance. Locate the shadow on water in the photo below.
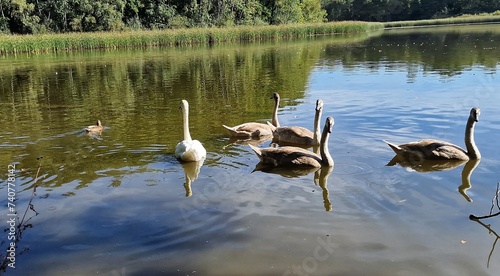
(424, 166)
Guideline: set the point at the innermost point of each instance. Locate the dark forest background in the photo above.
(58, 16)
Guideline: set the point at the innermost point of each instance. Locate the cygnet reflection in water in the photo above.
(424, 166)
(320, 178)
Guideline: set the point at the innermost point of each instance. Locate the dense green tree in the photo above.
(4, 20)
(19, 17)
(251, 12)
(131, 14)
(238, 12)
(226, 12)
(369, 10)
(53, 14)
(199, 12)
(158, 14)
(286, 11)
(474, 6)
(392, 10)
(90, 15)
(312, 11)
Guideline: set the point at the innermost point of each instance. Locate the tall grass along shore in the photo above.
(464, 19)
(16, 44)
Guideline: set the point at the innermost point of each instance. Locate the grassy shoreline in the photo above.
(460, 20)
(50, 43)
(17, 44)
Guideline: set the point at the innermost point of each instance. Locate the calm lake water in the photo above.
(117, 204)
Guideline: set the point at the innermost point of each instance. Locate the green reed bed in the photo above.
(464, 19)
(250, 33)
(13, 44)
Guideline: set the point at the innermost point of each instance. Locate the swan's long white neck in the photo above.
(317, 118)
(185, 120)
(275, 112)
(326, 158)
(472, 150)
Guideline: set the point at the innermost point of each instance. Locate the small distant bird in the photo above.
(95, 128)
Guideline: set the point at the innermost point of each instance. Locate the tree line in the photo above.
(400, 10)
(59, 16)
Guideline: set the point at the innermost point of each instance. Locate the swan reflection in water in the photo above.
(94, 135)
(191, 171)
(320, 177)
(248, 141)
(422, 165)
(321, 180)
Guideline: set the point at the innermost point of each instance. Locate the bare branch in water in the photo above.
(33, 194)
(21, 224)
(473, 217)
(495, 198)
(494, 202)
(491, 232)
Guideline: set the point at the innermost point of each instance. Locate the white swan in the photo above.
(296, 156)
(299, 135)
(441, 150)
(255, 130)
(188, 149)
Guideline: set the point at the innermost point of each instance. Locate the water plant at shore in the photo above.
(16, 44)
(463, 19)
(64, 42)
